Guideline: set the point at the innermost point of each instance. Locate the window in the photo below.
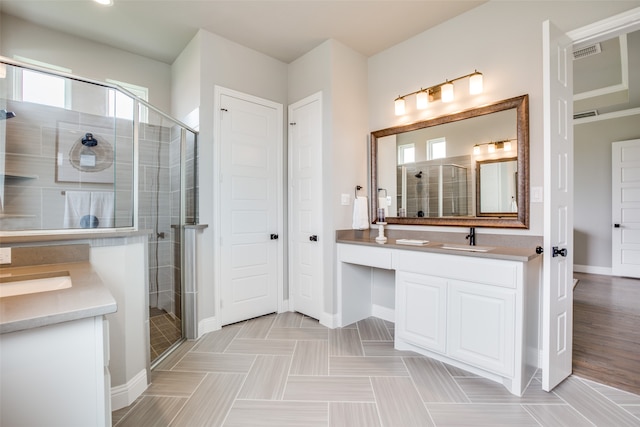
(40, 87)
(120, 105)
(436, 148)
(406, 154)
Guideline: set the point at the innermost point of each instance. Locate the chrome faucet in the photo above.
(471, 236)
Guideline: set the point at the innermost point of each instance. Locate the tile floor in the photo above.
(164, 331)
(288, 370)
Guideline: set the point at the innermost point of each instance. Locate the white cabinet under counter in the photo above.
(476, 311)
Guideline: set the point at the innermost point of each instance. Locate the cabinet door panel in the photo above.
(421, 303)
(482, 326)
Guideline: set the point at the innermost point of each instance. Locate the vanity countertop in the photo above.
(87, 297)
(510, 253)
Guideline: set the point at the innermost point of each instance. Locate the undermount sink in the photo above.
(34, 283)
(467, 248)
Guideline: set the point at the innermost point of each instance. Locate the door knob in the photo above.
(274, 237)
(561, 252)
(313, 238)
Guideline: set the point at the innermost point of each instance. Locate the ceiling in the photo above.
(285, 30)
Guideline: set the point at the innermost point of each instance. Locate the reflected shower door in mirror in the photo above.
(427, 173)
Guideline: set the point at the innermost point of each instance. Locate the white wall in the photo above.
(85, 58)
(501, 39)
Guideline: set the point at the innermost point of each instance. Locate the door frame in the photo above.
(219, 91)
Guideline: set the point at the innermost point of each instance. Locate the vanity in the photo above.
(476, 308)
(473, 307)
(54, 339)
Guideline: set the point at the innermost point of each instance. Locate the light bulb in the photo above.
(507, 146)
(475, 83)
(399, 106)
(491, 148)
(422, 99)
(476, 150)
(447, 92)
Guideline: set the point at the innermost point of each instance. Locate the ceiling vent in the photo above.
(584, 114)
(587, 51)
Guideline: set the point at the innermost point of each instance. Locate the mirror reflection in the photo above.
(469, 168)
(497, 181)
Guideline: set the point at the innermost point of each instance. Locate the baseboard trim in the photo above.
(207, 325)
(384, 313)
(605, 271)
(124, 395)
(329, 320)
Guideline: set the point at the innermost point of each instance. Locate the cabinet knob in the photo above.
(313, 238)
(274, 237)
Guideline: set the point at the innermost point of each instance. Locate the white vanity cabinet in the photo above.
(421, 310)
(56, 375)
(467, 311)
(482, 330)
(478, 313)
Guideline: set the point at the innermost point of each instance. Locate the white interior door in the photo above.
(625, 205)
(557, 313)
(305, 180)
(250, 182)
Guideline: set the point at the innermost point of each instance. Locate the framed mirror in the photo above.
(432, 173)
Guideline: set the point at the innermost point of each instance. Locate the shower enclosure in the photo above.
(433, 189)
(77, 155)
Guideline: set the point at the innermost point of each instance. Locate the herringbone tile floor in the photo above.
(288, 370)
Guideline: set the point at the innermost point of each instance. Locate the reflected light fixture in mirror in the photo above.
(443, 91)
(504, 145)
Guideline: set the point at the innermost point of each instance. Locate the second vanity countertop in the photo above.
(87, 297)
(525, 251)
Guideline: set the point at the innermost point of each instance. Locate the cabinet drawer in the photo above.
(478, 270)
(365, 255)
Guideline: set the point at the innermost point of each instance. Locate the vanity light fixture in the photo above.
(493, 146)
(442, 91)
(399, 106)
(447, 91)
(422, 99)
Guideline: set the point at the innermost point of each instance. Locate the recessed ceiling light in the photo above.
(104, 2)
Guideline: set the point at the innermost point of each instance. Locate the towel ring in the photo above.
(358, 187)
(382, 189)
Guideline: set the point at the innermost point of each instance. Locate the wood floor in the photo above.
(288, 370)
(606, 330)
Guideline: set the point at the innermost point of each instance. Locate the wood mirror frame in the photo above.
(521, 220)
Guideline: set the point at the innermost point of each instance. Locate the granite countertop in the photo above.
(87, 297)
(522, 250)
